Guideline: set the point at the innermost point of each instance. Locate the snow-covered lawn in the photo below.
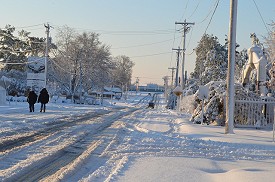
(147, 145)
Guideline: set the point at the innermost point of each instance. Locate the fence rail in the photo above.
(254, 112)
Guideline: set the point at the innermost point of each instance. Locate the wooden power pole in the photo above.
(186, 28)
(230, 91)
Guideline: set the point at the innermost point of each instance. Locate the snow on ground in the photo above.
(156, 145)
(177, 150)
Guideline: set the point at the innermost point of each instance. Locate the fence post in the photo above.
(273, 124)
(202, 113)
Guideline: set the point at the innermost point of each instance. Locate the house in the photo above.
(108, 92)
(148, 88)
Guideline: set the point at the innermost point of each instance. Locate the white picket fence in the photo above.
(254, 112)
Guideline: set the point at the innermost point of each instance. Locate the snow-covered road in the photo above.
(92, 143)
(30, 152)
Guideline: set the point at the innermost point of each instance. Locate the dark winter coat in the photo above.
(44, 96)
(32, 97)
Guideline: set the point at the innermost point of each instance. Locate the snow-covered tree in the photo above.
(123, 71)
(34, 46)
(10, 47)
(16, 49)
(211, 61)
(211, 69)
(240, 61)
(270, 42)
(82, 61)
(14, 52)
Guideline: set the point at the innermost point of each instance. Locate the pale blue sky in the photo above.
(137, 28)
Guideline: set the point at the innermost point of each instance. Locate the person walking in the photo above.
(32, 98)
(43, 99)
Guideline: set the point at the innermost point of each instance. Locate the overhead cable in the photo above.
(261, 16)
(150, 55)
(217, 3)
(185, 9)
(126, 32)
(141, 45)
(171, 58)
(194, 10)
(29, 26)
(208, 14)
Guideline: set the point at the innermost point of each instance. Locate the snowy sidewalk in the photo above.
(172, 165)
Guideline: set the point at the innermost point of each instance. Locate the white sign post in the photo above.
(178, 91)
(273, 130)
(273, 127)
(203, 94)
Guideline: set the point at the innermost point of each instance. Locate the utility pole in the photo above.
(137, 84)
(186, 28)
(46, 52)
(173, 70)
(165, 79)
(230, 91)
(81, 81)
(177, 68)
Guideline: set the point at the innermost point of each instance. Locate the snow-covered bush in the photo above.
(14, 81)
(192, 86)
(214, 106)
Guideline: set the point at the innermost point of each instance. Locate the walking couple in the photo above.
(43, 99)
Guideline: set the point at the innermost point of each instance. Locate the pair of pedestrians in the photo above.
(43, 99)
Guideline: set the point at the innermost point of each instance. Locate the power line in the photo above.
(126, 32)
(28, 62)
(135, 33)
(177, 68)
(150, 55)
(171, 58)
(61, 67)
(29, 26)
(208, 14)
(141, 45)
(190, 37)
(261, 16)
(14, 52)
(217, 3)
(14, 63)
(194, 10)
(184, 10)
(190, 53)
(3, 34)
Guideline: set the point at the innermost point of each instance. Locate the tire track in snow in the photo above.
(15, 141)
(115, 163)
(64, 159)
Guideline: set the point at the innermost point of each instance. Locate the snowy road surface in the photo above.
(92, 143)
